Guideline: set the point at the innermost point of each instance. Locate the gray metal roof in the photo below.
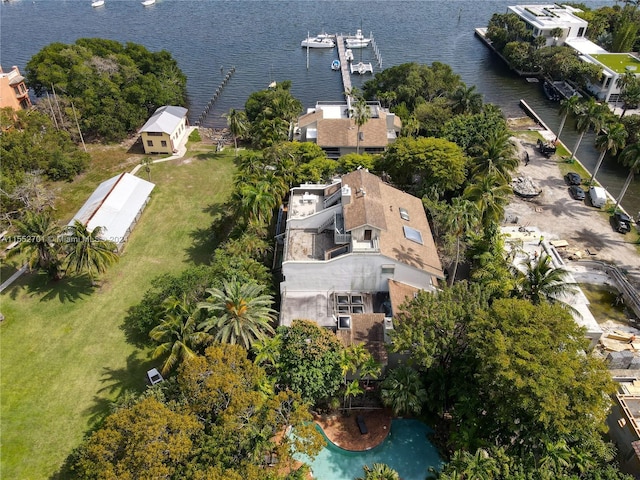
(165, 119)
(114, 206)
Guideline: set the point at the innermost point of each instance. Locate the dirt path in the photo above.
(560, 217)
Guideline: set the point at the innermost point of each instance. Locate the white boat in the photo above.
(335, 65)
(322, 40)
(147, 3)
(358, 40)
(361, 68)
(348, 55)
(97, 3)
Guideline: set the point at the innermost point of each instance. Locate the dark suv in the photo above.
(621, 222)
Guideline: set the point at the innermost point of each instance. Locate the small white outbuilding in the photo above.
(116, 206)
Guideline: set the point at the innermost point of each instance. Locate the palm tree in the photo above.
(87, 251)
(461, 217)
(610, 139)
(629, 86)
(351, 390)
(591, 115)
(630, 157)
(466, 100)
(238, 125)
(370, 369)
(242, 313)
(42, 241)
(258, 201)
(542, 282)
(411, 126)
(267, 352)
(497, 157)
(567, 106)
(361, 114)
(178, 333)
(379, 471)
(403, 391)
(490, 194)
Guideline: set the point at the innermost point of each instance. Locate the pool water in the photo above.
(406, 449)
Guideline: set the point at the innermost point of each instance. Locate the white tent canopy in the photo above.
(115, 206)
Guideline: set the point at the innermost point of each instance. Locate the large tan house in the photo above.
(164, 131)
(331, 126)
(352, 252)
(13, 91)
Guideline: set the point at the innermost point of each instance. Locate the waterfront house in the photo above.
(13, 91)
(350, 253)
(116, 206)
(547, 20)
(164, 131)
(333, 128)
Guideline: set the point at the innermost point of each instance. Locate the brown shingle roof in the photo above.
(400, 293)
(343, 132)
(367, 328)
(380, 208)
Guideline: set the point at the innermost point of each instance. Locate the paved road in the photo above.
(559, 216)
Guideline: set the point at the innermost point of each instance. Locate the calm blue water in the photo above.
(262, 40)
(407, 450)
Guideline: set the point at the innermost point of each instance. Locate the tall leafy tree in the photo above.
(591, 115)
(490, 194)
(568, 106)
(238, 125)
(40, 239)
(466, 100)
(403, 391)
(379, 471)
(461, 217)
(630, 158)
(178, 333)
(242, 314)
(87, 251)
(541, 282)
(610, 139)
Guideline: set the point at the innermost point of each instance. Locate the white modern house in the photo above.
(542, 20)
(332, 127)
(352, 252)
(116, 205)
(164, 130)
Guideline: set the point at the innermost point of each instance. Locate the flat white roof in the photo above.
(550, 16)
(114, 206)
(584, 46)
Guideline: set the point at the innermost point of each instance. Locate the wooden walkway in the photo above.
(344, 69)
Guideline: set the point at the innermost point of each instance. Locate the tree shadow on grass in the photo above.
(206, 239)
(121, 381)
(68, 289)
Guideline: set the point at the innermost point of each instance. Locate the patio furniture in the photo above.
(361, 425)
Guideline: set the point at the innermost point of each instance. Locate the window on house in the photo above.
(413, 234)
(404, 214)
(163, 143)
(581, 32)
(388, 269)
(367, 234)
(149, 143)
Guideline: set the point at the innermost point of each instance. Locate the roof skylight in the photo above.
(413, 234)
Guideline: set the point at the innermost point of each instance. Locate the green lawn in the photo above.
(63, 354)
(618, 62)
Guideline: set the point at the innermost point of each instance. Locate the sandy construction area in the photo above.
(587, 230)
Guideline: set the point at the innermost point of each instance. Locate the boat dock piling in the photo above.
(215, 96)
(376, 51)
(344, 69)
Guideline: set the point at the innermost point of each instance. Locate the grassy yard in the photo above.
(63, 354)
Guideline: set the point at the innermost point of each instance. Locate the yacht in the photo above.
(348, 55)
(358, 40)
(97, 3)
(322, 40)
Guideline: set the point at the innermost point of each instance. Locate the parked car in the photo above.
(598, 196)
(576, 192)
(154, 376)
(621, 222)
(572, 178)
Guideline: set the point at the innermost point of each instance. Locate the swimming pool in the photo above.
(407, 450)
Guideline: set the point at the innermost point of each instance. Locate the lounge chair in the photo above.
(361, 425)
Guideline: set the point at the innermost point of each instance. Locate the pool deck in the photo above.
(343, 431)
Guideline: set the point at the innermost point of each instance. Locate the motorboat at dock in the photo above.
(335, 65)
(322, 40)
(348, 55)
(358, 40)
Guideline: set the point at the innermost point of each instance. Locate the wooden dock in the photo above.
(344, 69)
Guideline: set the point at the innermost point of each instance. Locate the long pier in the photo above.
(212, 101)
(344, 69)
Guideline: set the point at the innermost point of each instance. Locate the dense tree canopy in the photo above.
(114, 87)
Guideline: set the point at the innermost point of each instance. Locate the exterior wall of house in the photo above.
(157, 142)
(350, 273)
(14, 94)
(542, 19)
